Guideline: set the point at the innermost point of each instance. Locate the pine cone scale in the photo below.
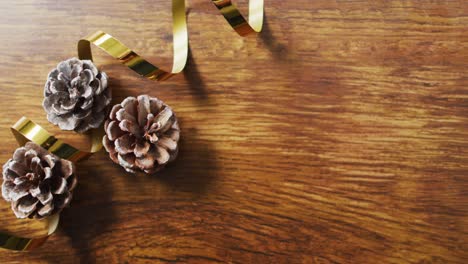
(36, 166)
(66, 121)
(113, 112)
(143, 109)
(81, 113)
(123, 115)
(48, 173)
(127, 161)
(60, 186)
(18, 168)
(46, 209)
(161, 155)
(19, 155)
(68, 105)
(141, 148)
(168, 144)
(113, 130)
(145, 162)
(123, 144)
(163, 118)
(130, 127)
(44, 197)
(130, 107)
(25, 207)
(19, 191)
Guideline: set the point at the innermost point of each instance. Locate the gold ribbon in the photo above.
(128, 57)
(26, 130)
(12, 242)
(237, 21)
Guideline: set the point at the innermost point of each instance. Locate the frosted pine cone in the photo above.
(76, 95)
(36, 182)
(142, 134)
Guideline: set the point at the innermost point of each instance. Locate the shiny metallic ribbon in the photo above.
(128, 57)
(26, 130)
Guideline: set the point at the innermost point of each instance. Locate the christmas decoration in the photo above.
(142, 134)
(36, 182)
(76, 95)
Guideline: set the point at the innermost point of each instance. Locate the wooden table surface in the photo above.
(337, 135)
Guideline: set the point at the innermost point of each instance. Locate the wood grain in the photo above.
(337, 135)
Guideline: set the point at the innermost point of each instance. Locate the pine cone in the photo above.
(36, 182)
(76, 95)
(142, 134)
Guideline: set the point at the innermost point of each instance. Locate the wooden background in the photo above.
(337, 135)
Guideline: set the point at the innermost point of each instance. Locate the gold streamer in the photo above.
(128, 57)
(12, 242)
(237, 21)
(26, 130)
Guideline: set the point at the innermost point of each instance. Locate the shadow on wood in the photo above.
(90, 217)
(194, 78)
(195, 168)
(277, 49)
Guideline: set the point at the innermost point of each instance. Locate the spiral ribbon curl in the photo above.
(128, 57)
(26, 130)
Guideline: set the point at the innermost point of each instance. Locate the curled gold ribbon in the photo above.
(237, 21)
(12, 242)
(26, 130)
(128, 57)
